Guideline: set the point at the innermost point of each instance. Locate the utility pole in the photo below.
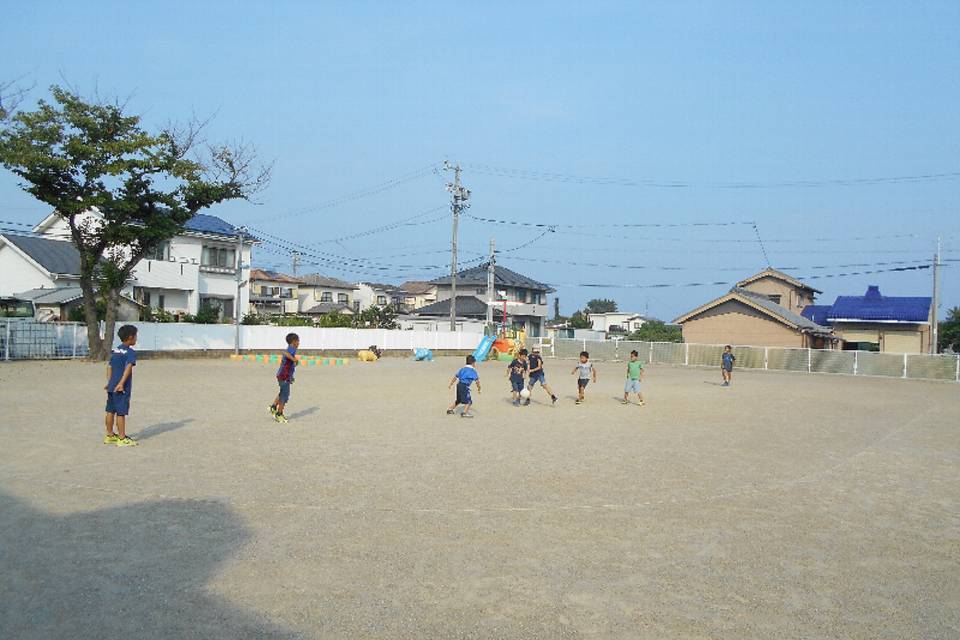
(935, 333)
(491, 273)
(295, 259)
(241, 231)
(458, 195)
(556, 307)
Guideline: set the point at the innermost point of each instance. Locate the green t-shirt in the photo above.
(634, 367)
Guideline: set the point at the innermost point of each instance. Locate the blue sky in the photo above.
(726, 101)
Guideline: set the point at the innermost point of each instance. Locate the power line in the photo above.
(654, 267)
(542, 176)
(625, 225)
(403, 222)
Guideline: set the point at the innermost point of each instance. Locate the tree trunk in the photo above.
(112, 298)
(94, 343)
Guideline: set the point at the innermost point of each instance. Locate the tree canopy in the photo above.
(948, 331)
(82, 156)
(601, 305)
(657, 331)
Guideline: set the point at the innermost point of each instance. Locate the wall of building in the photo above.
(791, 297)
(892, 337)
(735, 323)
(17, 274)
(311, 296)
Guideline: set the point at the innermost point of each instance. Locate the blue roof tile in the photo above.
(876, 307)
(817, 313)
(203, 223)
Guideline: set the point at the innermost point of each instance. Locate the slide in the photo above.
(481, 352)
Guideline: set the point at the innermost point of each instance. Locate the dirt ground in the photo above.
(787, 506)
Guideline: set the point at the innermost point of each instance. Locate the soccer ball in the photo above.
(524, 393)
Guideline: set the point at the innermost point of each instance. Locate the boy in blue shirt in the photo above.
(726, 364)
(119, 387)
(516, 371)
(288, 362)
(463, 378)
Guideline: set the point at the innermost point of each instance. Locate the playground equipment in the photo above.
(423, 355)
(482, 351)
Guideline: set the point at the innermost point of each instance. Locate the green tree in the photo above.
(336, 319)
(657, 331)
(579, 320)
(601, 305)
(376, 318)
(948, 331)
(79, 156)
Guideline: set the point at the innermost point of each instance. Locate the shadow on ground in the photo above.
(136, 571)
(303, 413)
(163, 427)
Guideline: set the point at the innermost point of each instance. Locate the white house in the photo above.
(319, 294)
(198, 266)
(374, 294)
(616, 322)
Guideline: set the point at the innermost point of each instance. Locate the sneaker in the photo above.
(578, 401)
(126, 442)
(554, 399)
(282, 419)
(624, 402)
(272, 410)
(110, 439)
(526, 403)
(641, 403)
(450, 412)
(466, 415)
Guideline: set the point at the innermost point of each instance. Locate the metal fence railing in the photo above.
(919, 366)
(31, 340)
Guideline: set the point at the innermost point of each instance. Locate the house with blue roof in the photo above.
(196, 267)
(875, 322)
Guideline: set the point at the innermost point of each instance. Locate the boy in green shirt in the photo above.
(634, 376)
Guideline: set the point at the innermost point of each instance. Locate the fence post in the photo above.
(809, 359)
(856, 361)
(958, 368)
(686, 354)
(6, 341)
(904, 365)
(650, 359)
(766, 357)
(584, 344)
(74, 341)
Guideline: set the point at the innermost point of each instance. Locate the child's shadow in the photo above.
(714, 384)
(303, 413)
(163, 427)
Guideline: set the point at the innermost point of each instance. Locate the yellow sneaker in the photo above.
(282, 419)
(110, 439)
(127, 442)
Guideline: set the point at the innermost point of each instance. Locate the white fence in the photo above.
(36, 340)
(855, 363)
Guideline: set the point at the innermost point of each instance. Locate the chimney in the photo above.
(873, 293)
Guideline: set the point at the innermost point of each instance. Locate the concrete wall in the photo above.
(892, 337)
(735, 323)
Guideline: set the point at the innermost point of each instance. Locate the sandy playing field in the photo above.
(787, 506)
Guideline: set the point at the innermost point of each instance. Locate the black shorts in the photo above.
(463, 394)
(582, 383)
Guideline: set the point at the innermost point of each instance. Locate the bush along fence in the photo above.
(918, 366)
(30, 340)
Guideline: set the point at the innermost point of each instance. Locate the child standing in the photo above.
(119, 387)
(537, 375)
(288, 363)
(585, 371)
(516, 371)
(463, 378)
(634, 376)
(726, 364)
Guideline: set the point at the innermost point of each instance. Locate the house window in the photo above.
(381, 301)
(286, 292)
(481, 291)
(521, 295)
(326, 296)
(159, 252)
(218, 257)
(774, 298)
(161, 302)
(342, 298)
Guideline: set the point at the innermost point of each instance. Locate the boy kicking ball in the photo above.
(120, 386)
(463, 378)
(536, 375)
(634, 377)
(288, 362)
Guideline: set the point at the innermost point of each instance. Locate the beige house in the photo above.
(320, 294)
(417, 294)
(763, 310)
(274, 293)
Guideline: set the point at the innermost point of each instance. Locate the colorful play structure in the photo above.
(502, 347)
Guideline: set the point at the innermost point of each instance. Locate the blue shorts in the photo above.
(537, 377)
(516, 384)
(632, 386)
(463, 393)
(284, 391)
(118, 403)
(582, 383)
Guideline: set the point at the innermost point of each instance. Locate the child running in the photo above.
(585, 370)
(463, 378)
(288, 362)
(119, 387)
(726, 365)
(537, 375)
(516, 371)
(634, 377)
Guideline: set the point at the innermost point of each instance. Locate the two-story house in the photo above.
(273, 293)
(319, 295)
(523, 299)
(616, 321)
(417, 294)
(376, 294)
(197, 266)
